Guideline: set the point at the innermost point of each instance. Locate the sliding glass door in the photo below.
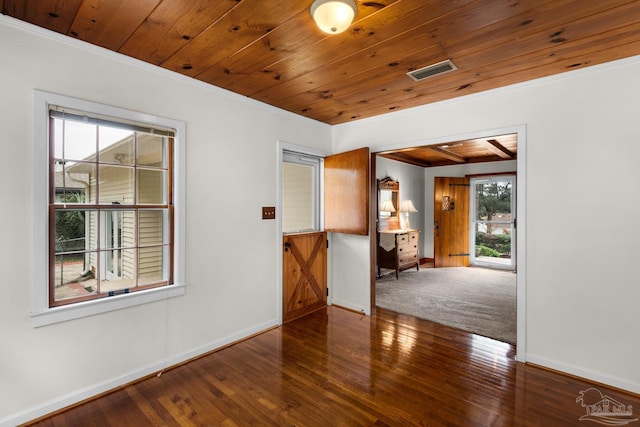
(493, 221)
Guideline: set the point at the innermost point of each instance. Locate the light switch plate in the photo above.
(268, 212)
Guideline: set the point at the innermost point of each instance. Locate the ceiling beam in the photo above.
(496, 148)
(401, 157)
(447, 154)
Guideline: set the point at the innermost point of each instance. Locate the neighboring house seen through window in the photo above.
(112, 211)
(112, 216)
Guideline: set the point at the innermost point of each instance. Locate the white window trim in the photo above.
(41, 314)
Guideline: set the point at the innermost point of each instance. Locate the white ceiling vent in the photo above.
(432, 70)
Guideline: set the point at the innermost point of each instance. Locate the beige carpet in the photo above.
(477, 300)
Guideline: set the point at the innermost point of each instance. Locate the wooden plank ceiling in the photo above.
(271, 50)
(494, 149)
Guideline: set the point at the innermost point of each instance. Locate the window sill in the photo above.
(83, 309)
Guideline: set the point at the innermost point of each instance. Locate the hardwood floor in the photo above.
(339, 368)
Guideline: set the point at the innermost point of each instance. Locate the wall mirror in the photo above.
(388, 203)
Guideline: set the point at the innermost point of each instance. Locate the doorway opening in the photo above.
(304, 255)
(318, 196)
(461, 157)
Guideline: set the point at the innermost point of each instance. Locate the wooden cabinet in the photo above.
(398, 250)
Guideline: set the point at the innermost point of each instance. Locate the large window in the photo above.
(110, 207)
(114, 227)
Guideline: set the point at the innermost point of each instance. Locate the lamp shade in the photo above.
(387, 206)
(407, 206)
(333, 16)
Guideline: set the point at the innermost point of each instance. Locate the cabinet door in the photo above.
(304, 273)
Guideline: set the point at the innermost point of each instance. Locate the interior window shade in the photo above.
(300, 193)
(61, 113)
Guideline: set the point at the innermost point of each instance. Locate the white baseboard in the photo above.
(587, 374)
(96, 389)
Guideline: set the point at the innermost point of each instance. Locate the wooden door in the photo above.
(346, 192)
(451, 222)
(346, 200)
(304, 273)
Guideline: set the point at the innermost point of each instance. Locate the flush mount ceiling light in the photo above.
(333, 16)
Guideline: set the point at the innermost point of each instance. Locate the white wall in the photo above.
(231, 267)
(349, 258)
(583, 205)
(582, 283)
(411, 179)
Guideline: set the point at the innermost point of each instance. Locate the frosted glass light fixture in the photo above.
(333, 16)
(407, 206)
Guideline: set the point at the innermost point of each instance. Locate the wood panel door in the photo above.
(451, 222)
(304, 273)
(346, 210)
(346, 192)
